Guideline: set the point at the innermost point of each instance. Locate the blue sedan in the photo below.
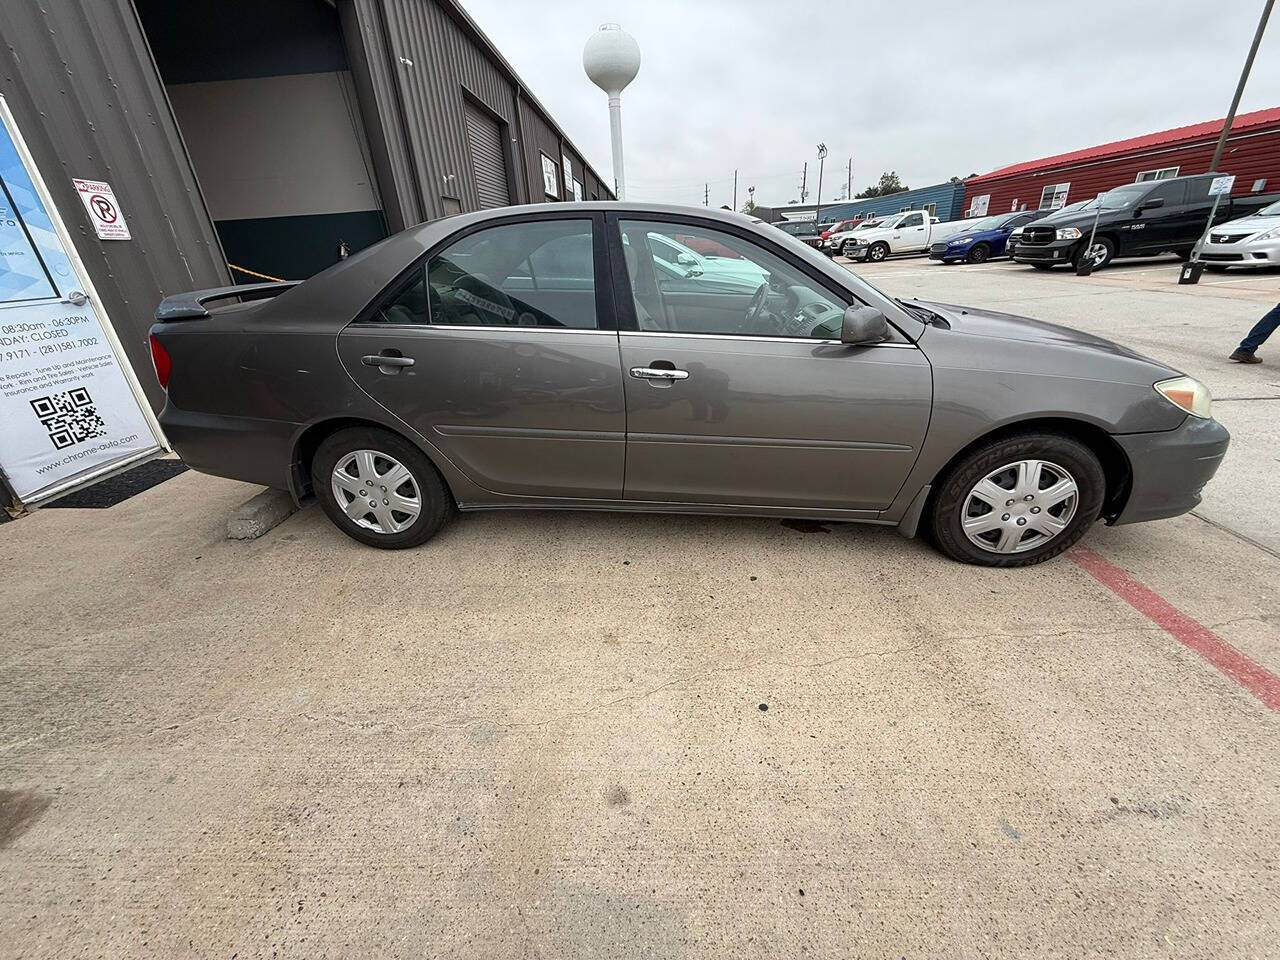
(985, 239)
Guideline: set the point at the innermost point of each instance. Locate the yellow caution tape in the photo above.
(255, 273)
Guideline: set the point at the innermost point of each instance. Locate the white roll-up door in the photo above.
(487, 161)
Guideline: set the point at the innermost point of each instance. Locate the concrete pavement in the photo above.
(576, 735)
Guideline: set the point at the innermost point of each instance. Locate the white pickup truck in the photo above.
(908, 232)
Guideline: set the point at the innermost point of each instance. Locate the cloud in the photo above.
(930, 90)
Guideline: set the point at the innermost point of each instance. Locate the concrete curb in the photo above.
(259, 514)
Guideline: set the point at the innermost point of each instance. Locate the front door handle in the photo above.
(377, 360)
(658, 373)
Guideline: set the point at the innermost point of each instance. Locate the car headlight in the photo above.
(1189, 394)
(1272, 234)
(960, 242)
(1068, 233)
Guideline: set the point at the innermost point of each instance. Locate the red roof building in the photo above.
(1252, 153)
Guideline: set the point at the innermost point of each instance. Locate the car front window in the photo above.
(764, 296)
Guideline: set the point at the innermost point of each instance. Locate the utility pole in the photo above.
(848, 186)
(735, 189)
(706, 195)
(1244, 75)
(822, 156)
(804, 178)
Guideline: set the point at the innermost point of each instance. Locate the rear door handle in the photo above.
(657, 373)
(376, 360)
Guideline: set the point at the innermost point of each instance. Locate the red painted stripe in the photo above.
(1254, 677)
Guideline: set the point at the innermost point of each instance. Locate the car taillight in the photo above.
(160, 360)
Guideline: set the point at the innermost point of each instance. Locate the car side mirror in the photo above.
(863, 325)
(1151, 204)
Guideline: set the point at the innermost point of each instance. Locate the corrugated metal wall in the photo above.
(1254, 155)
(79, 79)
(417, 63)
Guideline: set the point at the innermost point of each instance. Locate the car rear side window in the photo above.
(535, 274)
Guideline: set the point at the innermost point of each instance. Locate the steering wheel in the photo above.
(755, 308)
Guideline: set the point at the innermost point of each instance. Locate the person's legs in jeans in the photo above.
(1261, 330)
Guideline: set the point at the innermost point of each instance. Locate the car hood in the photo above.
(1007, 326)
(1251, 224)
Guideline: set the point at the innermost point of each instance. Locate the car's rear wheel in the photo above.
(1017, 501)
(978, 253)
(379, 489)
(878, 252)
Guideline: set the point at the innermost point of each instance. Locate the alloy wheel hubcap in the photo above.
(1020, 506)
(376, 491)
(1097, 253)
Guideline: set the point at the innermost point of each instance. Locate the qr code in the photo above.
(69, 417)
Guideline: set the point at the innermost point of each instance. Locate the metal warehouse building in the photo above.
(943, 200)
(268, 134)
(1252, 153)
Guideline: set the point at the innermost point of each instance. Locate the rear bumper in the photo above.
(239, 448)
(1169, 469)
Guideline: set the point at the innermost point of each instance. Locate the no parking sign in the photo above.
(104, 211)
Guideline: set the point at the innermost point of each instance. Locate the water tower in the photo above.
(612, 60)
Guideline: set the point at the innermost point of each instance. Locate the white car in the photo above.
(1252, 241)
(836, 242)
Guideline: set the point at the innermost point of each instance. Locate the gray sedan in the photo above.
(548, 357)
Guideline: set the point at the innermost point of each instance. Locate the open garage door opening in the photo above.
(264, 98)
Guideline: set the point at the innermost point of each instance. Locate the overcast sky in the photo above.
(931, 90)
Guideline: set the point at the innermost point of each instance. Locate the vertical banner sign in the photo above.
(68, 404)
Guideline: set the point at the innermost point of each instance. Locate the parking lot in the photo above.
(581, 735)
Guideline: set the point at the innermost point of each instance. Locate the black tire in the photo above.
(1108, 253)
(878, 251)
(437, 505)
(1043, 266)
(950, 497)
(978, 253)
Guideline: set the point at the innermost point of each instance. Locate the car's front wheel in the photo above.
(978, 253)
(1017, 501)
(379, 489)
(1101, 253)
(878, 252)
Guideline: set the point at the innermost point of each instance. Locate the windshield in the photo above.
(1271, 210)
(1119, 198)
(987, 223)
(795, 227)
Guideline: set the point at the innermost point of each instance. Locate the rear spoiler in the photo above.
(191, 305)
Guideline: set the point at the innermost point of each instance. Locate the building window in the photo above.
(1164, 173)
(1054, 196)
(932, 208)
(978, 205)
(904, 209)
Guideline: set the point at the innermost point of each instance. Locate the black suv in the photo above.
(1136, 220)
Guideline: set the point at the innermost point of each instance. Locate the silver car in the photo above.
(548, 357)
(1252, 241)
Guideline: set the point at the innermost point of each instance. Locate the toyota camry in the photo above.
(554, 357)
